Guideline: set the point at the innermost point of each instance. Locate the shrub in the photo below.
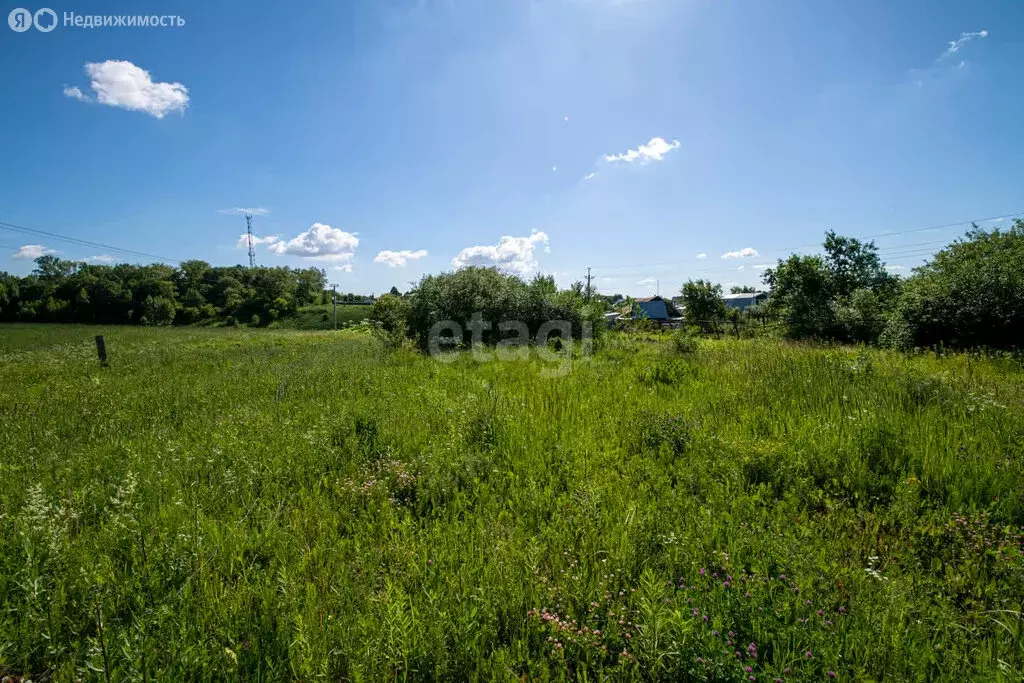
(684, 343)
(970, 295)
(495, 298)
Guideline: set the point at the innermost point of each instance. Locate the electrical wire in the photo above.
(12, 227)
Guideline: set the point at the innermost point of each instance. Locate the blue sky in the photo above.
(627, 135)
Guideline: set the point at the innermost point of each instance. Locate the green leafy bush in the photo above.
(970, 295)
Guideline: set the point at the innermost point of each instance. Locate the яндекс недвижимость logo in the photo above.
(45, 20)
(21, 19)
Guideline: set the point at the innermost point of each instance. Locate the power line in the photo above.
(902, 251)
(775, 250)
(12, 227)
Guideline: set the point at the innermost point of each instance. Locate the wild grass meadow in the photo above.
(224, 504)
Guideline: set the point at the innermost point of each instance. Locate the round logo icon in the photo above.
(49, 20)
(20, 19)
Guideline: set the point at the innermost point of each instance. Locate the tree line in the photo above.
(67, 291)
(969, 295)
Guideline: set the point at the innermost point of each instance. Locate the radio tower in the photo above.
(248, 233)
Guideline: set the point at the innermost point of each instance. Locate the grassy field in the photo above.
(283, 505)
(321, 317)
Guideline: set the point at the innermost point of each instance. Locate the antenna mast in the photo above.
(248, 233)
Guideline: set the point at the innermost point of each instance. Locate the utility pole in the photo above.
(248, 233)
(588, 283)
(335, 298)
(659, 287)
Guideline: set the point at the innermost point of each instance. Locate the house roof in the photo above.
(658, 308)
(743, 295)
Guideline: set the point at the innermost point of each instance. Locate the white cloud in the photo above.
(241, 211)
(320, 243)
(243, 240)
(399, 258)
(654, 150)
(894, 268)
(955, 45)
(515, 254)
(104, 259)
(746, 252)
(647, 281)
(125, 85)
(760, 266)
(33, 251)
(702, 256)
(590, 176)
(346, 268)
(75, 93)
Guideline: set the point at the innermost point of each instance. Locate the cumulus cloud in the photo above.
(241, 211)
(654, 150)
(320, 243)
(75, 93)
(104, 259)
(647, 281)
(745, 252)
(515, 254)
(243, 240)
(966, 37)
(895, 268)
(344, 268)
(399, 258)
(33, 251)
(761, 266)
(127, 86)
(702, 256)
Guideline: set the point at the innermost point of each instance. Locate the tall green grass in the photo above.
(222, 504)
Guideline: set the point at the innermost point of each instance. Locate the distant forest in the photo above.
(59, 290)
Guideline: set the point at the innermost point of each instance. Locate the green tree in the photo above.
(852, 264)
(843, 295)
(703, 304)
(801, 291)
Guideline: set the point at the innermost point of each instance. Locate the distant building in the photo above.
(744, 300)
(658, 310)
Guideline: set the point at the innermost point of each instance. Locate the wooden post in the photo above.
(101, 349)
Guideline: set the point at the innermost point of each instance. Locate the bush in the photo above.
(496, 299)
(970, 295)
(684, 343)
(860, 319)
(389, 315)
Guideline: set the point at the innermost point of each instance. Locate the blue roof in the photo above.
(654, 308)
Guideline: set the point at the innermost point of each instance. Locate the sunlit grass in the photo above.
(287, 505)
